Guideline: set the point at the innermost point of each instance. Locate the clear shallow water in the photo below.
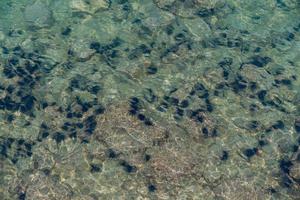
(149, 99)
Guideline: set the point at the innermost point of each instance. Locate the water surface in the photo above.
(149, 99)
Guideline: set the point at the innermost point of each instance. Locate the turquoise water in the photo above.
(149, 99)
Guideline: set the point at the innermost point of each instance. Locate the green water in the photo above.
(149, 99)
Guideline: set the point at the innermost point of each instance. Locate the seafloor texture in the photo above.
(149, 99)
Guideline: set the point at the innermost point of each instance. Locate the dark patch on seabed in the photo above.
(149, 99)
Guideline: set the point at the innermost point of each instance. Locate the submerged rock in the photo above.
(155, 17)
(38, 15)
(257, 75)
(295, 172)
(197, 27)
(81, 50)
(91, 6)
